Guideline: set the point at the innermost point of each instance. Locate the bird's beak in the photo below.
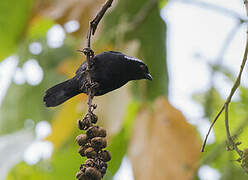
(149, 77)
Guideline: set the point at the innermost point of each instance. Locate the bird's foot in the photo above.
(94, 85)
(84, 85)
(90, 85)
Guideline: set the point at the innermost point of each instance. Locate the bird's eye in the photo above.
(142, 67)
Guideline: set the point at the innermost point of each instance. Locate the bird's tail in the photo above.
(61, 92)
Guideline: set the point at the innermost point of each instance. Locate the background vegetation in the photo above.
(142, 124)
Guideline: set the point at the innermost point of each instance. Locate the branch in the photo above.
(218, 150)
(218, 63)
(94, 23)
(229, 98)
(210, 128)
(93, 141)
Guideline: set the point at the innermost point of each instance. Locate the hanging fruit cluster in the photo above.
(91, 145)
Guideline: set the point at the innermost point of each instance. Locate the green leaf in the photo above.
(231, 172)
(39, 28)
(14, 15)
(162, 3)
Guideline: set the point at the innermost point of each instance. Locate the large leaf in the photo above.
(164, 146)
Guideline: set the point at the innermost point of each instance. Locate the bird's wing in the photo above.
(81, 68)
(114, 52)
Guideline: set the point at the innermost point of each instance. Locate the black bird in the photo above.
(110, 70)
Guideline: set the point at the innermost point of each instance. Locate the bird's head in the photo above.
(138, 69)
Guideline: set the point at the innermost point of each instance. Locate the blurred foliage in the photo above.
(216, 154)
(119, 143)
(154, 128)
(14, 15)
(63, 165)
(162, 3)
(39, 27)
(25, 101)
(150, 33)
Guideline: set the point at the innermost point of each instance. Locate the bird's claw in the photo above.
(94, 85)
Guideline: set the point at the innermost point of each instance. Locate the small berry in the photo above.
(81, 139)
(89, 162)
(103, 170)
(93, 173)
(98, 143)
(92, 132)
(105, 156)
(81, 176)
(81, 150)
(90, 152)
(93, 118)
(80, 124)
(102, 132)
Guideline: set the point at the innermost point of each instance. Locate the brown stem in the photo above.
(94, 23)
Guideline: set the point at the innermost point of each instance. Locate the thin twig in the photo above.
(94, 23)
(219, 148)
(218, 63)
(216, 8)
(210, 128)
(233, 90)
(227, 123)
